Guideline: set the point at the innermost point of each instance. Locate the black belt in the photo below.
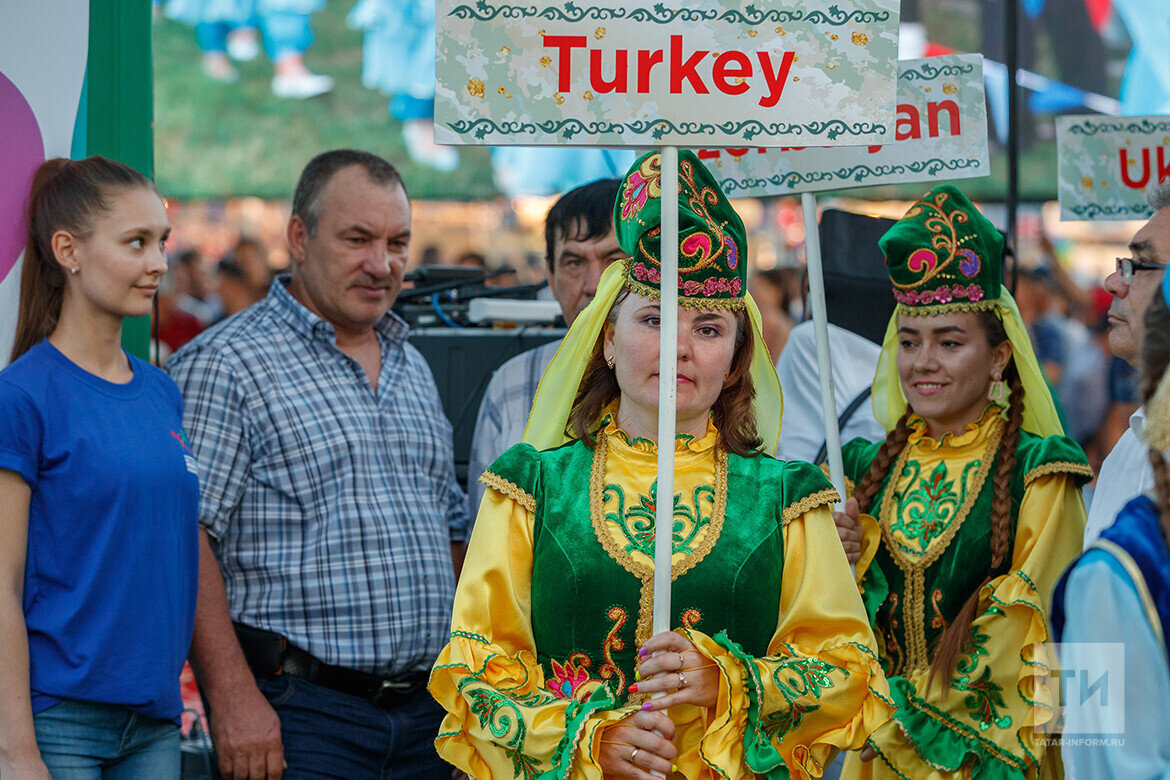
(269, 655)
(384, 692)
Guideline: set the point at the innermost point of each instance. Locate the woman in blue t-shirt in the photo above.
(98, 493)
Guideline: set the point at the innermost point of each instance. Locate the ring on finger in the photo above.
(682, 681)
(681, 661)
(633, 754)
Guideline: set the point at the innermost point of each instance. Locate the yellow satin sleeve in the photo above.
(502, 722)
(995, 709)
(819, 690)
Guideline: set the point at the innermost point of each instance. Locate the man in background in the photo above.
(579, 245)
(1126, 471)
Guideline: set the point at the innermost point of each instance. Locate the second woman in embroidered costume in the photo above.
(551, 659)
(974, 508)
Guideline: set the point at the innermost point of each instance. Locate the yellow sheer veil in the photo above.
(1040, 418)
(562, 379)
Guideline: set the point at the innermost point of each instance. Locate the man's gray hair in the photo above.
(306, 202)
(1159, 196)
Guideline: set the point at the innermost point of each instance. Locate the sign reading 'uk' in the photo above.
(1107, 164)
(642, 73)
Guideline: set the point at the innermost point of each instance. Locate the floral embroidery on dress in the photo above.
(984, 696)
(637, 522)
(690, 618)
(798, 678)
(614, 643)
(893, 657)
(487, 704)
(938, 621)
(925, 511)
(570, 676)
(984, 700)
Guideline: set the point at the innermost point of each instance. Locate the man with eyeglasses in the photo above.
(1126, 471)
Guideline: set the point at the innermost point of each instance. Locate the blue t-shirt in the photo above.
(113, 552)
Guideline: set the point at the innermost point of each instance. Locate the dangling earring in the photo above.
(998, 390)
(609, 362)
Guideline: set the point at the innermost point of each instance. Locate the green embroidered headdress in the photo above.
(944, 255)
(712, 275)
(712, 262)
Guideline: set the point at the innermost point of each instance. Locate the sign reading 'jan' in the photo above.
(1106, 164)
(940, 132)
(642, 72)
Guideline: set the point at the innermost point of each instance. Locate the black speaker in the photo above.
(462, 360)
(858, 294)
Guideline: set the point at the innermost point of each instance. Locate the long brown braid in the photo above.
(1155, 358)
(954, 639)
(882, 463)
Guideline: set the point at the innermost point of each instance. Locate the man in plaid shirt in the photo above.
(331, 519)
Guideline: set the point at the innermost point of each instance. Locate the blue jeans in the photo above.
(330, 734)
(85, 741)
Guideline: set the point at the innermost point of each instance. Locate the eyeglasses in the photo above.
(1127, 265)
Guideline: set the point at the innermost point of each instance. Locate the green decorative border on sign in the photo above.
(856, 173)
(1093, 127)
(660, 14)
(1094, 211)
(748, 129)
(927, 72)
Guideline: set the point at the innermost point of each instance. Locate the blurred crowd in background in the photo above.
(224, 255)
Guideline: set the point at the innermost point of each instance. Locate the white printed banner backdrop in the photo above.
(940, 134)
(1106, 164)
(43, 51)
(651, 73)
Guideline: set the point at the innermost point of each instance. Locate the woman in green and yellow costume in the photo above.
(551, 660)
(978, 509)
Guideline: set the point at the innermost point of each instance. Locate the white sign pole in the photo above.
(667, 392)
(816, 299)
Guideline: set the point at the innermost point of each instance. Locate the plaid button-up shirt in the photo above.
(331, 506)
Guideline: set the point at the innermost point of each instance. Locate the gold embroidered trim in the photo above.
(914, 567)
(509, 489)
(645, 626)
(1058, 467)
(798, 508)
(687, 302)
(946, 308)
(850, 485)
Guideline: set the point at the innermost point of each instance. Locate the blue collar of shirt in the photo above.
(392, 328)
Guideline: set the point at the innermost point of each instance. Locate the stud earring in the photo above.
(609, 362)
(74, 270)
